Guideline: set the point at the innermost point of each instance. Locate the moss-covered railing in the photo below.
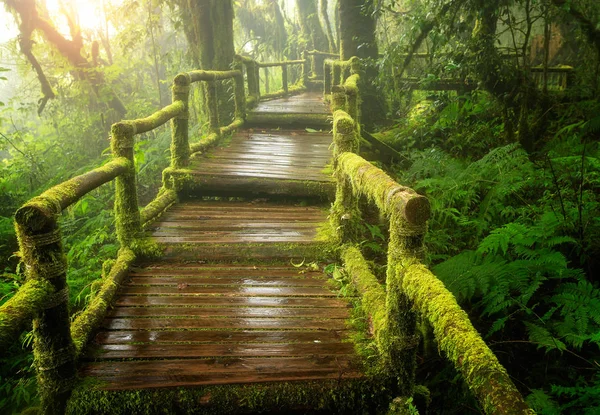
(253, 67)
(410, 289)
(43, 298)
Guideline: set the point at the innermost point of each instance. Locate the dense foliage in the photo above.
(511, 170)
(506, 150)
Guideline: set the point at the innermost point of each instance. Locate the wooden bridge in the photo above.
(217, 301)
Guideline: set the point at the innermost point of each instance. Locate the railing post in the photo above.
(239, 92)
(253, 89)
(127, 214)
(305, 68)
(212, 104)
(284, 78)
(338, 98)
(405, 248)
(257, 78)
(326, 77)
(42, 252)
(345, 214)
(336, 73)
(180, 146)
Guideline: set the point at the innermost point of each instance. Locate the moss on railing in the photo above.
(462, 344)
(19, 310)
(409, 286)
(86, 322)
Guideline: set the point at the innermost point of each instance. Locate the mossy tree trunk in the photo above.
(208, 26)
(357, 38)
(323, 6)
(312, 31)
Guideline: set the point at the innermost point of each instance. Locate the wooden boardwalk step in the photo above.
(228, 231)
(198, 324)
(218, 371)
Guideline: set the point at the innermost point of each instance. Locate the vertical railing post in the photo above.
(180, 146)
(127, 214)
(257, 77)
(326, 77)
(41, 251)
(267, 85)
(338, 98)
(405, 248)
(284, 78)
(345, 215)
(253, 89)
(212, 104)
(239, 92)
(305, 68)
(336, 73)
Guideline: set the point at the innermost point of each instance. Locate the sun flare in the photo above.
(88, 14)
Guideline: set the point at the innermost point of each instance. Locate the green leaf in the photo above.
(311, 130)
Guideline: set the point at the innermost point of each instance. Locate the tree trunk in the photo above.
(357, 29)
(312, 31)
(357, 38)
(208, 26)
(323, 8)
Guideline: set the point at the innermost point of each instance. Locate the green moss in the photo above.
(462, 344)
(164, 199)
(158, 118)
(371, 291)
(19, 310)
(345, 215)
(180, 151)
(294, 89)
(88, 321)
(335, 396)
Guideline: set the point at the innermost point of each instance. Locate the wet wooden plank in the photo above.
(233, 239)
(223, 323)
(298, 176)
(152, 351)
(191, 271)
(233, 312)
(244, 291)
(219, 336)
(219, 224)
(180, 367)
(161, 380)
(200, 281)
(245, 207)
(232, 154)
(316, 171)
(222, 301)
(306, 103)
(260, 216)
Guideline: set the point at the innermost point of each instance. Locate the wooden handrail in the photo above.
(282, 63)
(409, 287)
(319, 53)
(56, 347)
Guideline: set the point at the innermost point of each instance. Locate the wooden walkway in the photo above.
(224, 305)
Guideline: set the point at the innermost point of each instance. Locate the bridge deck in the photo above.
(209, 312)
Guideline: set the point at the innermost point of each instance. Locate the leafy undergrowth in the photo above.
(515, 237)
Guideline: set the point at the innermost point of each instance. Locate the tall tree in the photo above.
(312, 31)
(208, 26)
(357, 29)
(323, 6)
(357, 38)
